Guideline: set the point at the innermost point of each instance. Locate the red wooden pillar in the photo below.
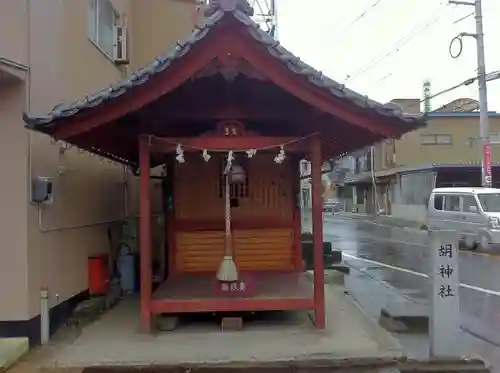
(297, 218)
(145, 233)
(317, 230)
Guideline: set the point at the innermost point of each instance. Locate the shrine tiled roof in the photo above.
(163, 63)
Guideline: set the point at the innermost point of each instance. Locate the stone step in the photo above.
(405, 317)
(361, 365)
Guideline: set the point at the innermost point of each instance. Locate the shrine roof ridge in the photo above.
(162, 63)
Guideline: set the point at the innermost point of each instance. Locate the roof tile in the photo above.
(181, 48)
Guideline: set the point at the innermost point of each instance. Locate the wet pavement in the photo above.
(390, 263)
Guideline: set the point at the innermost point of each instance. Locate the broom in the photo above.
(227, 269)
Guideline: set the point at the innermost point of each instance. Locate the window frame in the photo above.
(447, 198)
(476, 202)
(494, 136)
(434, 137)
(439, 197)
(95, 7)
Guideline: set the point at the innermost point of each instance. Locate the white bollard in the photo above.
(444, 318)
(44, 316)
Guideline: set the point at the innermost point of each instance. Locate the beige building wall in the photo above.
(464, 149)
(13, 218)
(156, 25)
(49, 246)
(87, 191)
(14, 21)
(409, 150)
(85, 67)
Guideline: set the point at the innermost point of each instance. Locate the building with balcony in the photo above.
(59, 51)
(396, 176)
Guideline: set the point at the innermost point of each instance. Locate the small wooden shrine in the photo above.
(229, 113)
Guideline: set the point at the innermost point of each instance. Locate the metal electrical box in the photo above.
(41, 191)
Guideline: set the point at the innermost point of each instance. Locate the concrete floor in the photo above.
(115, 340)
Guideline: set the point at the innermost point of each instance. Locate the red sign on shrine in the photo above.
(231, 128)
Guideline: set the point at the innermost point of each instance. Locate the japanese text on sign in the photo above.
(444, 316)
(446, 250)
(233, 286)
(445, 271)
(445, 291)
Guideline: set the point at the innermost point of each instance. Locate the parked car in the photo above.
(473, 212)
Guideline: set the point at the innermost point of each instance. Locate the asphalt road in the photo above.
(389, 263)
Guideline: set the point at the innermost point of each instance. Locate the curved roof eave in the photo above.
(161, 64)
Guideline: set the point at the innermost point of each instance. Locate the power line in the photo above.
(363, 13)
(399, 44)
(494, 75)
(385, 77)
(463, 18)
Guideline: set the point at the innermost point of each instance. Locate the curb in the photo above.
(379, 334)
(11, 350)
(369, 220)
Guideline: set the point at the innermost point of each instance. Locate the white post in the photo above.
(444, 320)
(44, 316)
(483, 94)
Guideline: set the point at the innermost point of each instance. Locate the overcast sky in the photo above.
(332, 36)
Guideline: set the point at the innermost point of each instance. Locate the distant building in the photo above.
(445, 153)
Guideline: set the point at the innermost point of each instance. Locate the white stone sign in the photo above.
(444, 318)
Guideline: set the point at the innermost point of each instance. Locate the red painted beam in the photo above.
(317, 230)
(230, 304)
(297, 216)
(195, 113)
(145, 235)
(223, 143)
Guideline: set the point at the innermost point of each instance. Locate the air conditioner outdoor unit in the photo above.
(120, 52)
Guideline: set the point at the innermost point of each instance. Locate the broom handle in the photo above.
(228, 216)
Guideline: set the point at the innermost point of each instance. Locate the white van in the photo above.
(473, 212)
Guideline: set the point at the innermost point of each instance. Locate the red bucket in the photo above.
(98, 274)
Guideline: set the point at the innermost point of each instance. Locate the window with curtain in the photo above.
(441, 139)
(102, 19)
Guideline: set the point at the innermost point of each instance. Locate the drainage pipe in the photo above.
(44, 316)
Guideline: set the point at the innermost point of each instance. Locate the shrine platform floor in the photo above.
(116, 340)
(262, 291)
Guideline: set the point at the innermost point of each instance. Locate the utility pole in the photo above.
(274, 14)
(427, 96)
(481, 78)
(266, 14)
